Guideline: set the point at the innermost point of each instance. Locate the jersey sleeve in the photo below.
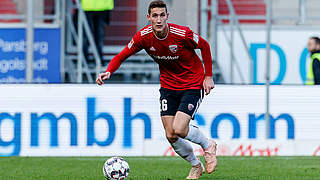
(134, 46)
(194, 41)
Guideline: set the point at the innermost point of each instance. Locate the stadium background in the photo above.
(61, 112)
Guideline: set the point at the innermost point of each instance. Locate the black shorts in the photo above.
(187, 101)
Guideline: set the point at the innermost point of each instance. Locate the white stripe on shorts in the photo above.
(198, 103)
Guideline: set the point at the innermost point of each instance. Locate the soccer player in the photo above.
(183, 81)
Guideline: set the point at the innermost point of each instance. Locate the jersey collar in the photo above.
(164, 37)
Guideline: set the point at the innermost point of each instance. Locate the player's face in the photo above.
(158, 19)
(312, 46)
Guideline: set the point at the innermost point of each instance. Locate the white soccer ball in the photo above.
(116, 168)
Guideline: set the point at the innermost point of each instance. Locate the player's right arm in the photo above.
(134, 46)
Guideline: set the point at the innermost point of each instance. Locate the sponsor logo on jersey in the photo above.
(165, 57)
(152, 48)
(196, 37)
(130, 44)
(190, 107)
(173, 48)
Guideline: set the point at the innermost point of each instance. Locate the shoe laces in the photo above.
(194, 170)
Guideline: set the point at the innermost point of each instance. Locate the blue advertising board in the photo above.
(46, 66)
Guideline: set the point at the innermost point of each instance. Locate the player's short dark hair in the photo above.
(157, 4)
(316, 39)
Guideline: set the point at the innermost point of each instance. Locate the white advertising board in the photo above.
(88, 120)
(289, 56)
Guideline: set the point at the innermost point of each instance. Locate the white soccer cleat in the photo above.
(196, 171)
(210, 156)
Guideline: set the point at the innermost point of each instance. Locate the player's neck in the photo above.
(163, 34)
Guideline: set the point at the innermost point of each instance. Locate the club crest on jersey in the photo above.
(190, 107)
(173, 48)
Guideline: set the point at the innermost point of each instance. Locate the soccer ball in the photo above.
(116, 168)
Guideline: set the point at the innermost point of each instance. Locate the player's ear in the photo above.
(167, 16)
(148, 17)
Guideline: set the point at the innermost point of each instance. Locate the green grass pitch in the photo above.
(157, 168)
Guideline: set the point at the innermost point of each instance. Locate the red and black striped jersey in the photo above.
(179, 65)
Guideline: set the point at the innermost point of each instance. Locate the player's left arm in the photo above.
(197, 42)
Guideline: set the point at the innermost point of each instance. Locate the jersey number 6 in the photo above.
(164, 105)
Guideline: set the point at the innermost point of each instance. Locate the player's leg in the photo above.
(169, 103)
(190, 102)
(189, 132)
(183, 148)
(180, 146)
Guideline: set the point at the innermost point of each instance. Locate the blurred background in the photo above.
(51, 51)
(237, 31)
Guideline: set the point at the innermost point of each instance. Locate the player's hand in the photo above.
(103, 76)
(208, 84)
